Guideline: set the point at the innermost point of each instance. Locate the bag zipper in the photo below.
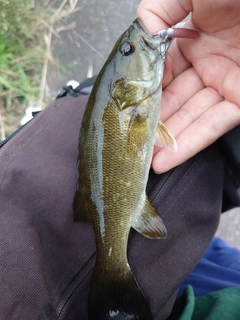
(159, 187)
(13, 135)
(64, 307)
(2, 143)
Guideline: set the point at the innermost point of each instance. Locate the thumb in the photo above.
(157, 15)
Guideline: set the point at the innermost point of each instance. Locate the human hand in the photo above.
(201, 99)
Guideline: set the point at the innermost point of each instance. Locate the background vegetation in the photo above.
(26, 31)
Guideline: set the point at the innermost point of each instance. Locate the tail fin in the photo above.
(116, 297)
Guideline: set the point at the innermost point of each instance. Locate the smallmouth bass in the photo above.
(116, 144)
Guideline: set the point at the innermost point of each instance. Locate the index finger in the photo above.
(161, 14)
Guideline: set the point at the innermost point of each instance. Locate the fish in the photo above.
(116, 141)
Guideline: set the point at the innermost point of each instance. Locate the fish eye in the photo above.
(127, 48)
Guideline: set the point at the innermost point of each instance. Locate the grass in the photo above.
(26, 34)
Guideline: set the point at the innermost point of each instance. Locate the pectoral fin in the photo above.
(150, 223)
(164, 138)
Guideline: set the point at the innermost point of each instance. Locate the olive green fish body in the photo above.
(115, 152)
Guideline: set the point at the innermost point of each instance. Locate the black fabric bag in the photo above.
(46, 259)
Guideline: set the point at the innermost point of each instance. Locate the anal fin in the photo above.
(149, 223)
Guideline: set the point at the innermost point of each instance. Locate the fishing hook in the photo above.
(164, 44)
(165, 34)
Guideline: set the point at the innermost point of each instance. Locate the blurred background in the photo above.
(46, 43)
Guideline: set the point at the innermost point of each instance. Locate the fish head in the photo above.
(136, 65)
(140, 54)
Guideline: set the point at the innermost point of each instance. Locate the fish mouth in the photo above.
(147, 38)
(139, 26)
